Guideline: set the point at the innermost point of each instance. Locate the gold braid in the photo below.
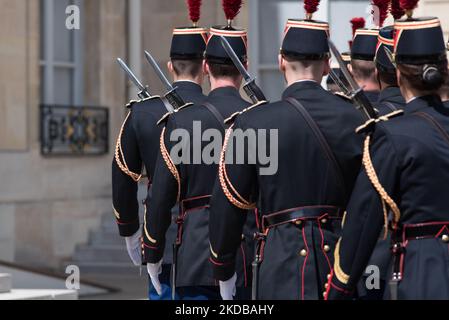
(169, 162)
(239, 202)
(386, 199)
(119, 156)
(339, 273)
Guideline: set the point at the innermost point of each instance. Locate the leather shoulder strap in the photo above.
(216, 113)
(321, 139)
(431, 120)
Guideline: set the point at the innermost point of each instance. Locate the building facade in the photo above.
(55, 169)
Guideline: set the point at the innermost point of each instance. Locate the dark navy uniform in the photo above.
(138, 147)
(406, 171)
(192, 184)
(390, 100)
(300, 206)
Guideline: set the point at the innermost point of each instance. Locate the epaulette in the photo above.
(343, 96)
(165, 117)
(236, 114)
(369, 125)
(132, 102)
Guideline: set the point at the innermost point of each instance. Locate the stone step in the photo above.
(99, 238)
(120, 268)
(5, 282)
(24, 294)
(101, 254)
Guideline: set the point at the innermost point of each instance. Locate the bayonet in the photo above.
(172, 95)
(252, 90)
(339, 83)
(143, 90)
(356, 93)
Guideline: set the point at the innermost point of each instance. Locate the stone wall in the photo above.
(47, 205)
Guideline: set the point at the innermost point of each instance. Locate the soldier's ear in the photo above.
(350, 68)
(281, 63)
(205, 68)
(170, 67)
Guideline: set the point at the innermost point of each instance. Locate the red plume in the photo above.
(408, 6)
(382, 5)
(231, 8)
(357, 23)
(311, 6)
(194, 10)
(396, 11)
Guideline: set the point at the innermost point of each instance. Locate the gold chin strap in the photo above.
(120, 158)
(169, 162)
(236, 200)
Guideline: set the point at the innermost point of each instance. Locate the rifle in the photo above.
(251, 89)
(356, 94)
(172, 96)
(143, 90)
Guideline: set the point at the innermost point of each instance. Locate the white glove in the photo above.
(228, 289)
(134, 247)
(154, 270)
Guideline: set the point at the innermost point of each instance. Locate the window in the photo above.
(267, 23)
(61, 55)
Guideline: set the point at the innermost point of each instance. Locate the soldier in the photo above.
(191, 182)
(138, 144)
(406, 162)
(390, 100)
(300, 206)
(390, 97)
(362, 64)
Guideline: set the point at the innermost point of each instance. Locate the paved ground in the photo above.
(130, 287)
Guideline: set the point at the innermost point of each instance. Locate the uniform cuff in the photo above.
(222, 271)
(128, 229)
(152, 253)
(337, 290)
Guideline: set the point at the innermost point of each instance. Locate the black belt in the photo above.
(197, 202)
(302, 213)
(419, 231)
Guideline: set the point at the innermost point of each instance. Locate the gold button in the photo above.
(445, 238)
(303, 253)
(324, 294)
(324, 221)
(298, 222)
(328, 276)
(326, 285)
(327, 248)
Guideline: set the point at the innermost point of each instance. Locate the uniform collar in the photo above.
(188, 86)
(389, 93)
(298, 86)
(224, 92)
(423, 102)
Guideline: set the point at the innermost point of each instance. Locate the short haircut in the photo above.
(187, 68)
(388, 77)
(220, 70)
(364, 70)
(298, 64)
